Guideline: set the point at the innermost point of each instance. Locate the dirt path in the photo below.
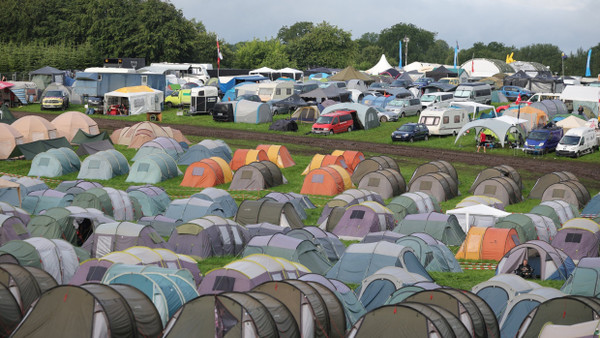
(580, 169)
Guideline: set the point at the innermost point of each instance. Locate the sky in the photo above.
(568, 24)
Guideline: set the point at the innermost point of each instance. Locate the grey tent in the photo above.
(153, 168)
(557, 210)
(442, 227)
(434, 167)
(433, 254)
(377, 288)
(551, 107)
(76, 187)
(366, 116)
(221, 197)
(37, 201)
(501, 289)
(160, 144)
(5, 115)
(547, 180)
(112, 202)
(584, 280)
(347, 198)
(25, 282)
(264, 229)
(280, 213)
(54, 163)
(440, 185)
(245, 111)
(13, 195)
(153, 200)
(502, 188)
(206, 149)
(117, 236)
(257, 176)
(73, 224)
(572, 192)
(578, 238)
(11, 227)
(547, 261)
(497, 171)
(372, 164)
(413, 203)
(300, 202)
(90, 148)
(327, 242)
(360, 219)
(191, 208)
(387, 183)
(104, 165)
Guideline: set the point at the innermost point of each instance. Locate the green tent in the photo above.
(521, 223)
(29, 150)
(6, 116)
(153, 168)
(54, 163)
(83, 137)
(413, 203)
(104, 165)
(444, 228)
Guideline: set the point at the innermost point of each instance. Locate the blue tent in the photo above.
(54, 162)
(206, 149)
(220, 197)
(153, 168)
(154, 200)
(40, 200)
(240, 79)
(192, 208)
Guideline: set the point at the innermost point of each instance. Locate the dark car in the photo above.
(411, 132)
(424, 81)
(399, 83)
(378, 86)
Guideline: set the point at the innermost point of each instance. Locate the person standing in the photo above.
(481, 141)
(580, 110)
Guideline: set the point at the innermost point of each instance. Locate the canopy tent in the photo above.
(137, 99)
(477, 215)
(381, 66)
(500, 126)
(349, 73)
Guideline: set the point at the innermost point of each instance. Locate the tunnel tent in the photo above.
(433, 254)
(434, 167)
(205, 149)
(54, 163)
(501, 289)
(387, 183)
(366, 117)
(442, 227)
(76, 187)
(153, 200)
(38, 201)
(104, 165)
(257, 176)
(12, 228)
(208, 172)
(413, 203)
(9, 210)
(153, 168)
(183, 210)
(347, 198)
(572, 192)
(373, 164)
(440, 185)
(119, 236)
(547, 261)
(327, 242)
(299, 201)
(584, 280)
(480, 199)
(160, 144)
(497, 171)
(523, 224)
(488, 243)
(279, 213)
(360, 219)
(503, 188)
(578, 238)
(319, 161)
(73, 224)
(112, 202)
(221, 197)
(558, 210)
(351, 157)
(277, 154)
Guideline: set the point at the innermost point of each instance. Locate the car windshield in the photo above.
(462, 93)
(324, 119)
(538, 136)
(53, 93)
(407, 127)
(396, 103)
(376, 85)
(427, 98)
(444, 81)
(570, 140)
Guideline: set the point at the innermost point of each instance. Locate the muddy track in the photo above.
(589, 171)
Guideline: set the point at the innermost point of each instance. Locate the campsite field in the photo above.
(302, 154)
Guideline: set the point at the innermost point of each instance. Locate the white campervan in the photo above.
(444, 120)
(435, 99)
(577, 142)
(477, 92)
(275, 90)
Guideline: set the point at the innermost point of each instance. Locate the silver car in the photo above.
(400, 108)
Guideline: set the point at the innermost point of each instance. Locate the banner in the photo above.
(588, 71)
(400, 54)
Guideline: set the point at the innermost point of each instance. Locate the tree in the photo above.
(257, 53)
(420, 41)
(367, 39)
(368, 57)
(299, 29)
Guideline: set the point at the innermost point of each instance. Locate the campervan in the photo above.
(537, 97)
(478, 92)
(437, 99)
(444, 120)
(577, 142)
(541, 141)
(268, 91)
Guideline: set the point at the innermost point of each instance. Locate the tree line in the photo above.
(76, 34)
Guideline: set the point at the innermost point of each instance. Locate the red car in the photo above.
(335, 122)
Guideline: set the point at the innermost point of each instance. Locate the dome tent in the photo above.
(433, 254)
(153, 168)
(54, 162)
(557, 210)
(549, 179)
(578, 238)
(387, 183)
(208, 172)
(205, 149)
(501, 289)
(34, 128)
(347, 198)
(330, 244)
(9, 139)
(413, 203)
(38, 201)
(103, 165)
(360, 219)
(319, 161)
(118, 236)
(11, 228)
(142, 132)
(221, 197)
(243, 157)
(373, 164)
(73, 224)
(497, 171)
(503, 188)
(257, 176)
(330, 180)
(547, 261)
(153, 200)
(160, 144)
(69, 123)
(488, 243)
(434, 167)
(191, 208)
(572, 192)
(440, 185)
(444, 228)
(112, 202)
(277, 154)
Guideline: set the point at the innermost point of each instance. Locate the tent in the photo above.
(592, 208)
(12, 228)
(503, 188)
(76, 187)
(360, 219)
(377, 288)
(578, 238)
(300, 202)
(387, 183)
(582, 329)
(381, 66)
(341, 201)
(529, 226)
(265, 210)
(245, 111)
(497, 171)
(434, 167)
(9, 139)
(366, 117)
(191, 208)
(206, 149)
(153, 168)
(328, 242)
(153, 200)
(500, 126)
(29, 150)
(319, 161)
(308, 114)
(547, 261)
(551, 107)
(54, 163)
(221, 197)
(209, 236)
(359, 261)
(444, 228)
(277, 154)
(571, 122)
(208, 172)
(243, 157)
(584, 280)
(413, 203)
(559, 211)
(373, 164)
(329, 181)
(480, 199)
(119, 236)
(351, 157)
(387, 235)
(487, 243)
(257, 176)
(439, 185)
(433, 254)
(81, 137)
(534, 117)
(91, 148)
(69, 123)
(137, 100)
(103, 165)
(500, 289)
(9, 210)
(34, 128)
(479, 215)
(112, 202)
(160, 144)
(349, 73)
(572, 192)
(73, 224)
(37, 201)
(142, 132)
(13, 190)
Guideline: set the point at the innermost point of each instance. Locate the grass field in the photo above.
(467, 175)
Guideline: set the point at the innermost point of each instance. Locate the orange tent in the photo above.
(34, 128)
(68, 124)
(319, 161)
(344, 174)
(9, 138)
(208, 172)
(241, 157)
(142, 132)
(278, 155)
(323, 181)
(351, 157)
(487, 243)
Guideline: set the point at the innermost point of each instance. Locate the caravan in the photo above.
(268, 91)
(203, 100)
(444, 120)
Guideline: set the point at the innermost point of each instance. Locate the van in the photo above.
(400, 108)
(444, 120)
(179, 98)
(542, 141)
(275, 90)
(577, 142)
(301, 88)
(435, 99)
(537, 97)
(337, 121)
(477, 92)
(450, 80)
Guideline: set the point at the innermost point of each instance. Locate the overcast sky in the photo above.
(568, 24)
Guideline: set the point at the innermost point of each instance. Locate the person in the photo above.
(580, 110)
(524, 270)
(3, 78)
(481, 142)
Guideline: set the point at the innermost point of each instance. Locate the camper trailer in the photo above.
(275, 90)
(444, 120)
(577, 142)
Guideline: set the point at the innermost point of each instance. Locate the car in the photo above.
(249, 97)
(337, 121)
(378, 86)
(424, 81)
(450, 80)
(411, 132)
(399, 83)
(276, 110)
(513, 92)
(400, 108)
(53, 99)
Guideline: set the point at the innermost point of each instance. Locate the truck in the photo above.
(179, 98)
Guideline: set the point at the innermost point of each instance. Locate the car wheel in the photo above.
(426, 137)
(403, 115)
(577, 154)
(331, 132)
(411, 140)
(350, 129)
(169, 105)
(383, 119)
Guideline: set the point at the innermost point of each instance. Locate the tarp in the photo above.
(83, 137)
(90, 148)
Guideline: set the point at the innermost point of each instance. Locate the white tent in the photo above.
(381, 66)
(252, 112)
(479, 215)
(473, 107)
(137, 99)
(498, 125)
(571, 122)
(264, 71)
(290, 72)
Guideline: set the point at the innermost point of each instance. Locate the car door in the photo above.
(335, 125)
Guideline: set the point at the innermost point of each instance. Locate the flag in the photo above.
(588, 72)
(564, 56)
(400, 54)
(455, 55)
(219, 55)
(473, 65)
(518, 101)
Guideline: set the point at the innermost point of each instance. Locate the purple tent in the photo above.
(160, 144)
(90, 271)
(264, 229)
(348, 198)
(162, 224)
(236, 276)
(578, 238)
(547, 261)
(119, 236)
(360, 219)
(76, 187)
(7, 209)
(11, 228)
(387, 235)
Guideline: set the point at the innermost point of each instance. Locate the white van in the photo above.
(577, 142)
(537, 97)
(444, 120)
(477, 92)
(437, 99)
(275, 90)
